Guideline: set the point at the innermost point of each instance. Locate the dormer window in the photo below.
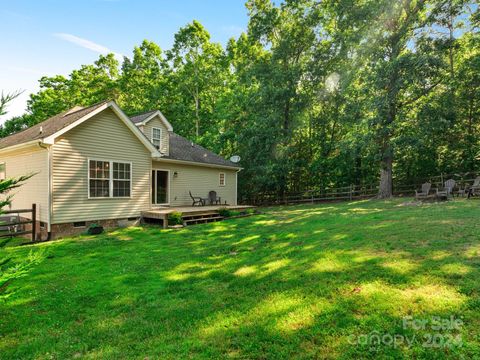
(157, 137)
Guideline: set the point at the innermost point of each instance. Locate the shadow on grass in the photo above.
(296, 282)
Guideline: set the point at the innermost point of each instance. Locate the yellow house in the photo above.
(98, 165)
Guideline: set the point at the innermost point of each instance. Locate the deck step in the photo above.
(203, 214)
(200, 220)
(201, 217)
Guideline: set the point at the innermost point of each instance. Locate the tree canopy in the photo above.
(312, 95)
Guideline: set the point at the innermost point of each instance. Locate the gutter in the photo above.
(236, 185)
(21, 146)
(186, 162)
(50, 186)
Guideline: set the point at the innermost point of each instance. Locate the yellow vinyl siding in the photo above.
(34, 190)
(103, 137)
(147, 130)
(199, 180)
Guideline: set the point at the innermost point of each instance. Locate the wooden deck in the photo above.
(162, 213)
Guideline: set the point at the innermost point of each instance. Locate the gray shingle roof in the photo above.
(183, 149)
(48, 127)
(180, 147)
(140, 117)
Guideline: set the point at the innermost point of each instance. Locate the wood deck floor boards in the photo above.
(189, 212)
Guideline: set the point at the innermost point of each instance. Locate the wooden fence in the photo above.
(11, 227)
(353, 192)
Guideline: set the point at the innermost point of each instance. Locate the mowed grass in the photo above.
(312, 281)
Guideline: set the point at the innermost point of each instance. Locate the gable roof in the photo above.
(48, 130)
(184, 150)
(47, 127)
(180, 148)
(142, 119)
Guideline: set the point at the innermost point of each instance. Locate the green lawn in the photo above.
(313, 281)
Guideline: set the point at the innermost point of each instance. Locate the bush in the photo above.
(250, 211)
(224, 212)
(175, 218)
(95, 229)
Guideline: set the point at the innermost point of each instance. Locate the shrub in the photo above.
(175, 218)
(94, 229)
(224, 212)
(250, 211)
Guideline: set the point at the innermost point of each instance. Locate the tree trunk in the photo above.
(197, 117)
(385, 190)
(451, 29)
(286, 117)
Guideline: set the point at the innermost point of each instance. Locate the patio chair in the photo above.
(213, 199)
(475, 188)
(197, 200)
(8, 219)
(462, 191)
(447, 190)
(424, 192)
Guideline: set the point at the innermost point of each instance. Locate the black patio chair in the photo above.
(197, 200)
(213, 199)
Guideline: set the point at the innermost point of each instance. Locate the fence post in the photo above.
(351, 192)
(34, 222)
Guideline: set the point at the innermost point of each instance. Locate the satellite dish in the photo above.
(235, 159)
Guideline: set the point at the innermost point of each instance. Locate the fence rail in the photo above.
(353, 192)
(10, 228)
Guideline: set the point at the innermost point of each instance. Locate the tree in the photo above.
(397, 73)
(143, 83)
(5, 99)
(12, 125)
(86, 86)
(8, 269)
(315, 94)
(198, 72)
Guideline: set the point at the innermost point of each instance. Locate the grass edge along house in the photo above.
(96, 164)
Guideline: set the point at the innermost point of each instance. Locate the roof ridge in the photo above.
(80, 108)
(70, 112)
(209, 155)
(143, 113)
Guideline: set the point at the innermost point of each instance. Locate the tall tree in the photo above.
(86, 86)
(142, 84)
(199, 70)
(397, 74)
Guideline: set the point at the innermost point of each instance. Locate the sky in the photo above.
(50, 37)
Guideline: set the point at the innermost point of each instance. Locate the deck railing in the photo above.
(11, 227)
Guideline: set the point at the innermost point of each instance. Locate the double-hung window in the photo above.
(99, 182)
(157, 137)
(109, 179)
(3, 174)
(221, 179)
(122, 179)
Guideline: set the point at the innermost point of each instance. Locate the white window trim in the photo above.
(160, 138)
(110, 180)
(168, 186)
(224, 179)
(5, 169)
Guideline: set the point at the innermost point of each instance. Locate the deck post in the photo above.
(165, 221)
(34, 222)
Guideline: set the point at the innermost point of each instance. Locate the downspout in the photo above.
(49, 175)
(236, 186)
